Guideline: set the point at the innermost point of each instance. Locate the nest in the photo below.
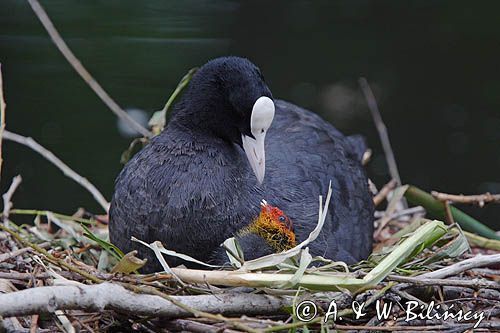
(60, 274)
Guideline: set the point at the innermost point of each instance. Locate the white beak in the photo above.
(261, 119)
(256, 154)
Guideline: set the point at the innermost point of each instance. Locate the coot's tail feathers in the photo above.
(358, 144)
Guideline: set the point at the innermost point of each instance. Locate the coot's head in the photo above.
(274, 227)
(228, 98)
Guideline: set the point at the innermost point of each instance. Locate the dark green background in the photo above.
(433, 66)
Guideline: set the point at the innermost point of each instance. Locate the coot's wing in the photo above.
(303, 154)
(184, 193)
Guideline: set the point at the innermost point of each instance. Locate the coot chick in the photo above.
(270, 232)
(201, 180)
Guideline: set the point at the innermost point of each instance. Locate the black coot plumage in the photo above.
(194, 185)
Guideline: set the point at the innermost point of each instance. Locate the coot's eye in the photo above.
(282, 218)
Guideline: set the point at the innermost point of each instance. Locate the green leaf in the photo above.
(107, 246)
(159, 118)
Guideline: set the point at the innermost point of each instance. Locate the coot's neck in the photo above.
(185, 138)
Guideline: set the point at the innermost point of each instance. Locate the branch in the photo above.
(462, 327)
(478, 261)
(110, 296)
(384, 191)
(29, 142)
(435, 207)
(419, 281)
(381, 128)
(479, 199)
(7, 197)
(183, 325)
(82, 71)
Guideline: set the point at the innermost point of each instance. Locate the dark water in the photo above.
(433, 66)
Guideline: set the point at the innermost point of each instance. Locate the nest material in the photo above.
(56, 276)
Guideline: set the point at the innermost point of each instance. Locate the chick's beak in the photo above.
(256, 154)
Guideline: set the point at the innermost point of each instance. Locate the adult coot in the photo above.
(227, 146)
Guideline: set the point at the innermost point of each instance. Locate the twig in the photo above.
(2, 117)
(434, 328)
(49, 256)
(82, 71)
(34, 323)
(474, 283)
(193, 326)
(456, 293)
(380, 214)
(35, 317)
(185, 306)
(479, 199)
(447, 211)
(7, 197)
(478, 261)
(11, 325)
(29, 276)
(12, 254)
(48, 213)
(408, 296)
(435, 207)
(110, 296)
(381, 128)
(393, 206)
(382, 194)
(29, 142)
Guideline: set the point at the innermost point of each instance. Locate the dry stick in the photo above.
(206, 314)
(448, 214)
(474, 283)
(34, 323)
(479, 199)
(478, 261)
(7, 197)
(29, 142)
(382, 132)
(193, 326)
(381, 128)
(434, 328)
(82, 71)
(36, 316)
(382, 194)
(13, 254)
(112, 296)
(50, 257)
(400, 213)
(2, 116)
